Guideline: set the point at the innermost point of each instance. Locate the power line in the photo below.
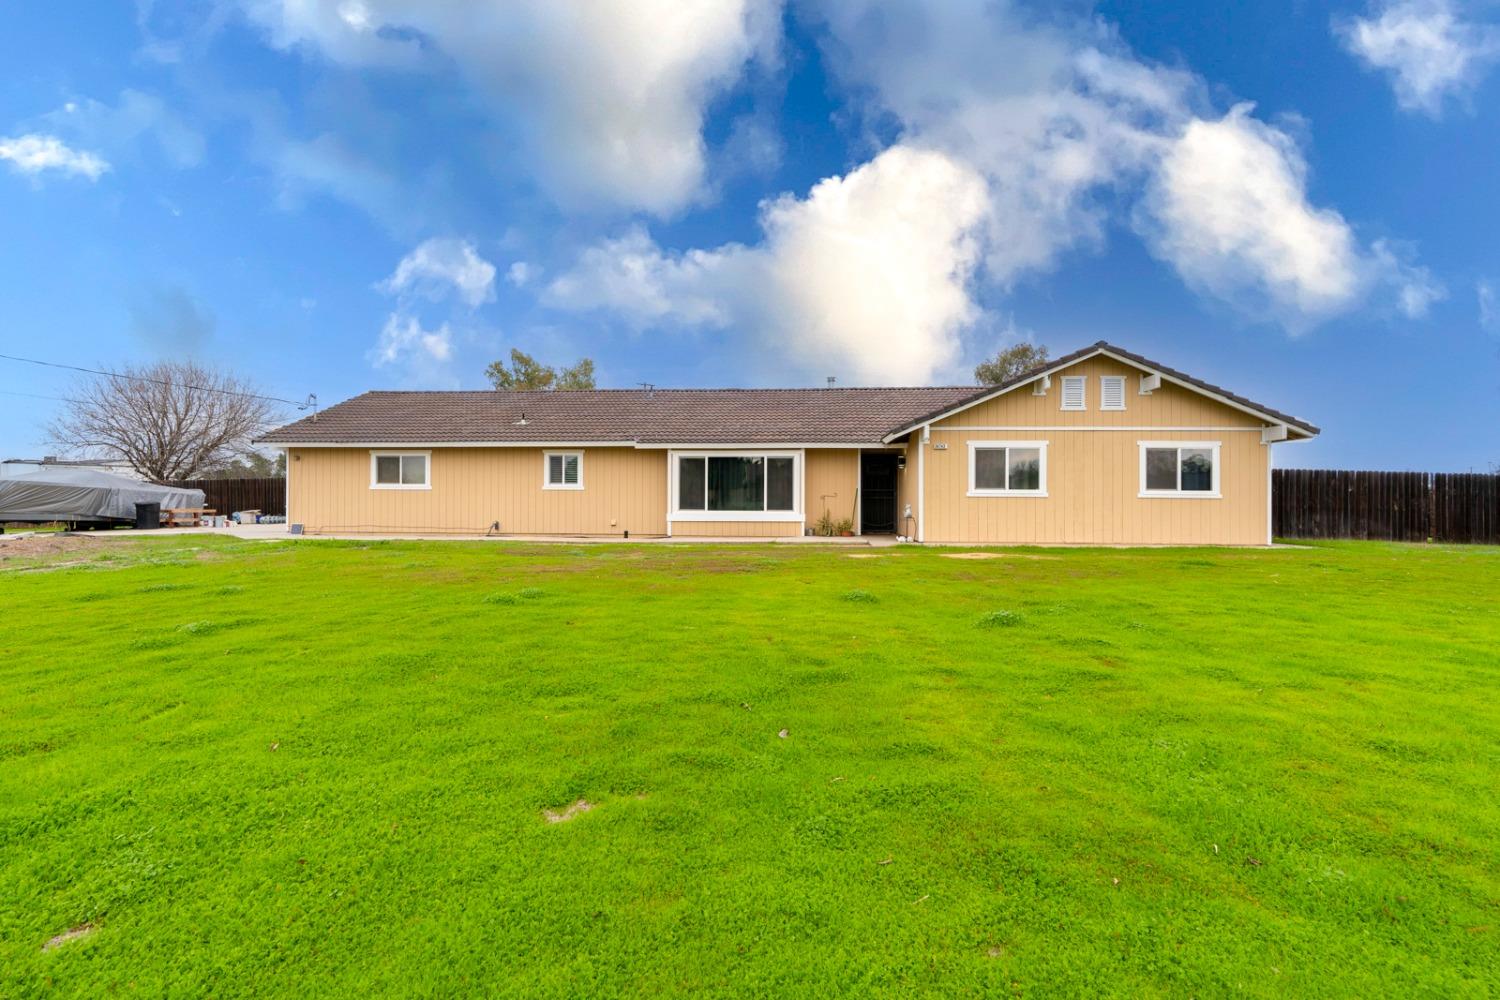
(311, 401)
(32, 395)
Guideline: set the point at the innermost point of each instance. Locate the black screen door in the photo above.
(877, 492)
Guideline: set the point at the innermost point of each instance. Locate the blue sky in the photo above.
(1293, 200)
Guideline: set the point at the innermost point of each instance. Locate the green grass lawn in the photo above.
(321, 769)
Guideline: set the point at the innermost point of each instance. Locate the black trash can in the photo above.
(148, 515)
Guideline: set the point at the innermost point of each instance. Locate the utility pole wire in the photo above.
(311, 401)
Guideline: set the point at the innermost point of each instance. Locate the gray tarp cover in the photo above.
(83, 494)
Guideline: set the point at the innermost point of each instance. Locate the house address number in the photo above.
(939, 447)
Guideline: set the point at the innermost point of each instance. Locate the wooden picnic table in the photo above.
(186, 517)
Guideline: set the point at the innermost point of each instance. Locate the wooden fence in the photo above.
(1395, 506)
(228, 495)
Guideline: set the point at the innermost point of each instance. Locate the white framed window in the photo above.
(562, 470)
(1075, 392)
(1007, 468)
(739, 486)
(400, 470)
(1180, 469)
(1111, 392)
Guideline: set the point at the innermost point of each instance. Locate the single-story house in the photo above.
(1100, 446)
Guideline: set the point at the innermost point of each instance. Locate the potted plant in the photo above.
(845, 528)
(825, 525)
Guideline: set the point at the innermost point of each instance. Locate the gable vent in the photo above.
(1111, 392)
(1073, 392)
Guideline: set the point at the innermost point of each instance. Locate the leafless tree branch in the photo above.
(171, 420)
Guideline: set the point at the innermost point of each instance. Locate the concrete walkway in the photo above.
(279, 533)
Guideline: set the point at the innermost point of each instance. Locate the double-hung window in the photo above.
(736, 487)
(1180, 469)
(563, 470)
(400, 470)
(1007, 468)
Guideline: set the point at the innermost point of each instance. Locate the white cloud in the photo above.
(1018, 141)
(867, 277)
(403, 340)
(440, 264)
(124, 126)
(1427, 48)
(33, 153)
(1489, 305)
(520, 273)
(1228, 208)
(635, 279)
(607, 98)
(1064, 124)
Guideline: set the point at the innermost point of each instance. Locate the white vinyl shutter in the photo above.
(1111, 392)
(1073, 397)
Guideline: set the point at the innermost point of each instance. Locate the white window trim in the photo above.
(1102, 406)
(677, 514)
(1083, 383)
(1180, 494)
(547, 484)
(400, 486)
(1041, 446)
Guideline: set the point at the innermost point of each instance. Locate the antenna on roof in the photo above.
(650, 387)
(522, 422)
(832, 379)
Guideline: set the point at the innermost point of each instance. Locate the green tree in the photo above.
(580, 376)
(1009, 363)
(526, 372)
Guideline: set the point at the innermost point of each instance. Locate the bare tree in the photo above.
(170, 420)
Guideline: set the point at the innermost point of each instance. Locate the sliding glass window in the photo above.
(736, 483)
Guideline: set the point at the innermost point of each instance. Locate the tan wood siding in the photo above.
(829, 483)
(624, 489)
(1171, 405)
(1093, 475)
(736, 529)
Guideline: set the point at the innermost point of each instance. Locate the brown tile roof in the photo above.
(660, 416)
(675, 416)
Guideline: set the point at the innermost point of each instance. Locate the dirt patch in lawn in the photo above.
(563, 815)
(864, 555)
(995, 555)
(16, 547)
(82, 930)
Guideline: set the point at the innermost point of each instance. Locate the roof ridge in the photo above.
(661, 389)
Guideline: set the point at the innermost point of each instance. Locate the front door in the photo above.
(877, 492)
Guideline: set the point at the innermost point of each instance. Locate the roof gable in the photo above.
(1294, 424)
